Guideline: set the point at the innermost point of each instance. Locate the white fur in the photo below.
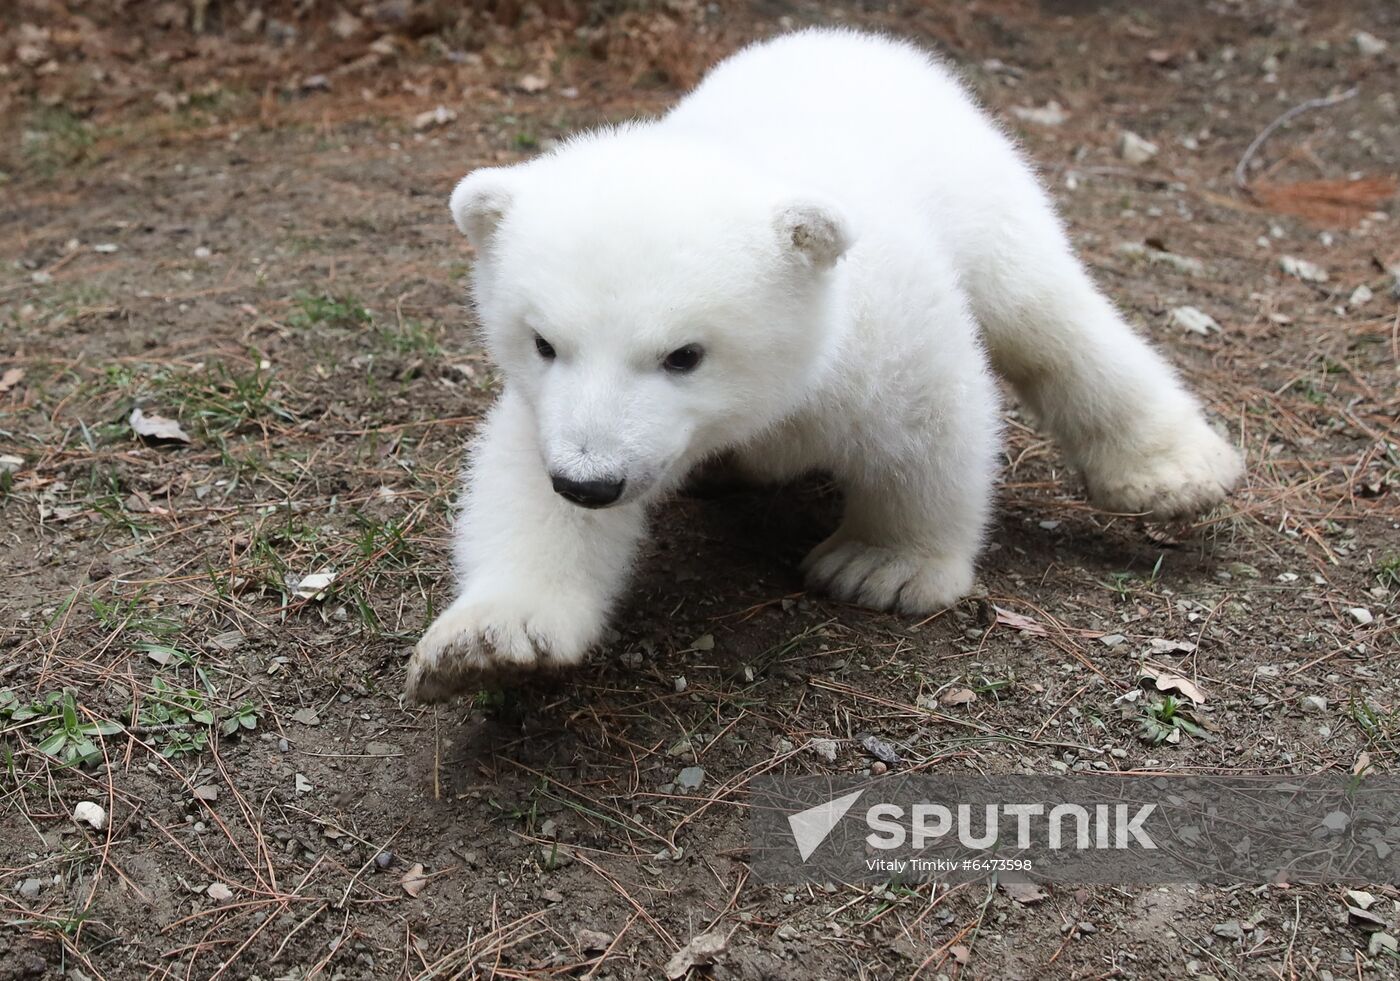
(842, 229)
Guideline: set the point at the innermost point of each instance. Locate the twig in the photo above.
(1241, 181)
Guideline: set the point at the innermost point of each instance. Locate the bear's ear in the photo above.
(479, 202)
(814, 232)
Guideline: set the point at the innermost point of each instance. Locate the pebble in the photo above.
(29, 888)
(384, 859)
(691, 778)
(1050, 114)
(1360, 296)
(1135, 149)
(1368, 44)
(825, 748)
(1230, 930)
(1362, 615)
(1308, 272)
(1313, 703)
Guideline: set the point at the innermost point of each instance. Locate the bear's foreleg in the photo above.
(916, 508)
(538, 575)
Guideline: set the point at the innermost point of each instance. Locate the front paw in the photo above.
(887, 578)
(481, 637)
(1187, 477)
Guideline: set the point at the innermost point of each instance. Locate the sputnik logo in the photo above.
(811, 827)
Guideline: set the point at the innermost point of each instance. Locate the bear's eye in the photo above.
(545, 348)
(683, 359)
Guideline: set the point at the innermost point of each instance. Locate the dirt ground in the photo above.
(243, 228)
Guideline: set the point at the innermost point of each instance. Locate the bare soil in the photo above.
(198, 225)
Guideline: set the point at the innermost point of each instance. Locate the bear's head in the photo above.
(653, 303)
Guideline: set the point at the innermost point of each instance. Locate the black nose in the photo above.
(588, 493)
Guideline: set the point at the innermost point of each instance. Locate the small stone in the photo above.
(346, 25)
(384, 859)
(1368, 44)
(1382, 943)
(1362, 615)
(1050, 114)
(202, 252)
(1112, 640)
(591, 940)
(1313, 703)
(532, 84)
(90, 813)
(555, 856)
(825, 748)
(29, 888)
(552, 896)
(1359, 899)
(1360, 296)
(206, 792)
(1135, 149)
(219, 892)
(307, 717)
(1230, 930)
(1195, 321)
(1308, 272)
(691, 778)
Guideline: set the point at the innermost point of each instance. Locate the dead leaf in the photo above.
(960, 953)
(958, 696)
(10, 379)
(1025, 893)
(700, 952)
(414, 880)
(157, 429)
(1017, 621)
(1167, 683)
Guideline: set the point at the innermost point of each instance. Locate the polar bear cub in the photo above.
(812, 262)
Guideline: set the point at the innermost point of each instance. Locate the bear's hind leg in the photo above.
(1113, 404)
